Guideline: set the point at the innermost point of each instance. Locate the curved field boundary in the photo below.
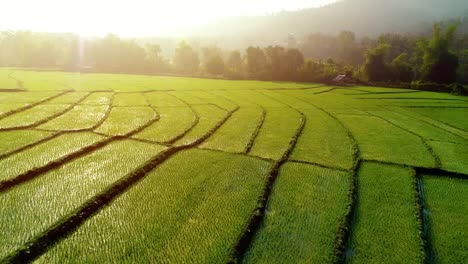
(59, 133)
(45, 120)
(194, 123)
(253, 225)
(343, 234)
(303, 88)
(423, 218)
(423, 141)
(456, 131)
(255, 133)
(29, 106)
(31, 174)
(37, 246)
(7, 154)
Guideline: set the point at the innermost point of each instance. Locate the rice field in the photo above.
(108, 168)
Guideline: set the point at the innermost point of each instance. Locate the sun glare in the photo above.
(132, 18)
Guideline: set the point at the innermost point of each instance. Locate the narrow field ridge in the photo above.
(245, 240)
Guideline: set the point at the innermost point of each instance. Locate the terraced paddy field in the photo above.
(102, 168)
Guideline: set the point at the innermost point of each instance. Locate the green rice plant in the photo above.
(7, 108)
(80, 117)
(99, 98)
(448, 128)
(31, 208)
(16, 139)
(187, 97)
(236, 133)
(404, 94)
(453, 157)
(303, 216)
(185, 211)
(129, 99)
(345, 111)
(279, 127)
(44, 153)
(445, 199)
(456, 117)
(163, 99)
(322, 100)
(209, 116)
(236, 97)
(68, 98)
(123, 120)
(373, 89)
(5, 81)
(261, 99)
(427, 131)
(218, 100)
(25, 97)
(381, 141)
(173, 122)
(287, 99)
(33, 116)
(324, 141)
(386, 228)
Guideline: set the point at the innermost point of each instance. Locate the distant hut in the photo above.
(342, 80)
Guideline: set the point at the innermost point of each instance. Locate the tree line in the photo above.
(441, 57)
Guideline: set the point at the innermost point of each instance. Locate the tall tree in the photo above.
(186, 59)
(375, 68)
(440, 63)
(257, 64)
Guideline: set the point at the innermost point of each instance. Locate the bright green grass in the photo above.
(287, 99)
(381, 141)
(237, 98)
(68, 98)
(6, 108)
(446, 202)
(371, 89)
(321, 100)
(80, 117)
(453, 157)
(123, 120)
(173, 122)
(44, 153)
(25, 97)
(236, 133)
(280, 126)
(43, 81)
(405, 95)
(386, 226)
(261, 99)
(191, 209)
(5, 81)
(12, 140)
(33, 207)
(324, 141)
(457, 117)
(345, 111)
(427, 131)
(32, 116)
(303, 216)
(218, 100)
(210, 116)
(129, 99)
(99, 98)
(163, 99)
(450, 129)
(188, 97)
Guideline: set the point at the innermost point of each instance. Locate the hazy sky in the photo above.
(132, 17)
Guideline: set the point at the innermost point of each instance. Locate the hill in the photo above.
(364, 17)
